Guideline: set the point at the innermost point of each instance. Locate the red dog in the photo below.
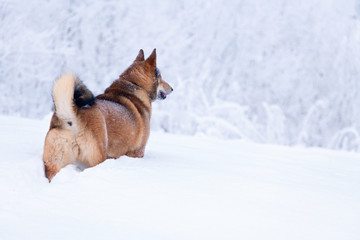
(89, 130)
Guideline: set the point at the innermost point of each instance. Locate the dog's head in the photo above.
(145, 74)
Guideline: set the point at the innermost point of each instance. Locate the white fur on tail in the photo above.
(63, 96)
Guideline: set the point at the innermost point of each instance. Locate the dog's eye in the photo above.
(157, 73)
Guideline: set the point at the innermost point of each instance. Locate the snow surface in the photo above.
(184, 188)
(273, 71)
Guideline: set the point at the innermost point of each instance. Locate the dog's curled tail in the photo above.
(70, 94)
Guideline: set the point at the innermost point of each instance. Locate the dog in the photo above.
(88, 130)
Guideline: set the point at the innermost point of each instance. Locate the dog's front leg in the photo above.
(139, 153)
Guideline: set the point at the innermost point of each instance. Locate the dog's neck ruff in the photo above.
(122, 91)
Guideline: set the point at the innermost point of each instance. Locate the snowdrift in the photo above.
(184, 188)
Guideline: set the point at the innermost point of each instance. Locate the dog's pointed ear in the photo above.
(140, 56)
(151, 60)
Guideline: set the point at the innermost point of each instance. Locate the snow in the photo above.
(186, 187)
(278, 71)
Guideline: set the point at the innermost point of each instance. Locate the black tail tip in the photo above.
(82, 95)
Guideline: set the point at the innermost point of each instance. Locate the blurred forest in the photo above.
(271, 71)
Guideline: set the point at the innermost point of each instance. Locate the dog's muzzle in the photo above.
(163, 94)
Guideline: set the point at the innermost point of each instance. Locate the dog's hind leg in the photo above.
(60, 150)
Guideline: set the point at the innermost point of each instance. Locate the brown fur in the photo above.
(118, 123)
